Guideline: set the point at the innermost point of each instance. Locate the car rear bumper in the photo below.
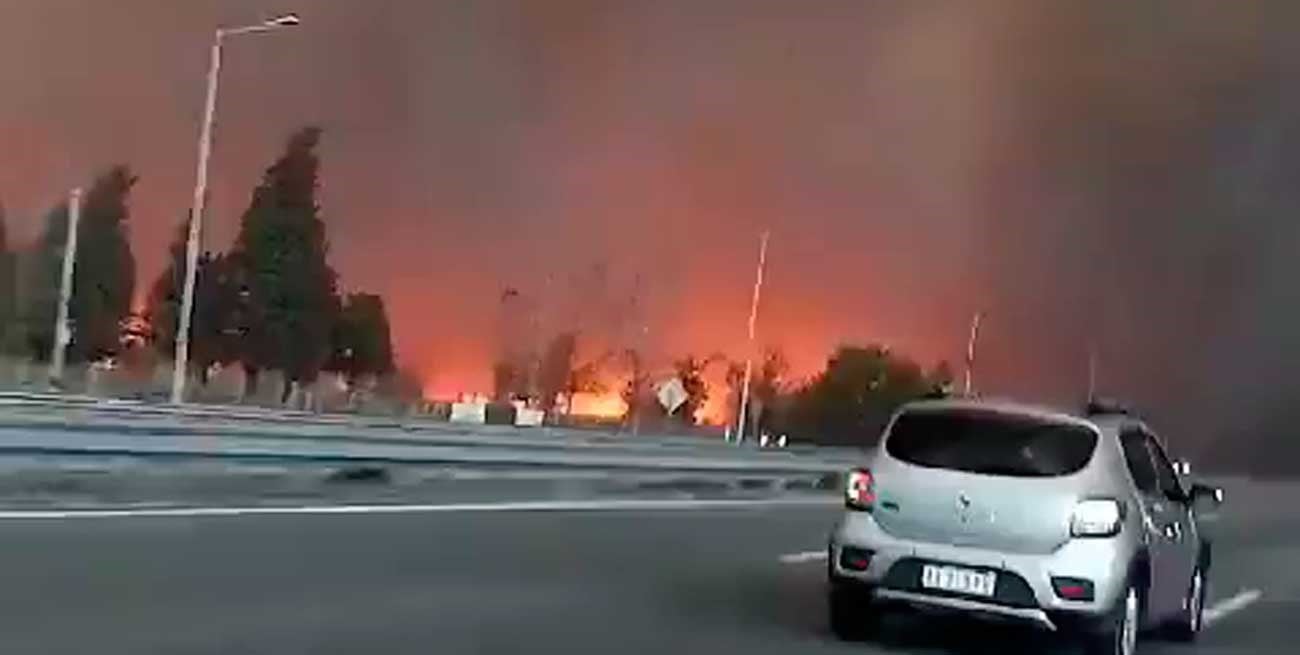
(1024, 589)
(1033, 616)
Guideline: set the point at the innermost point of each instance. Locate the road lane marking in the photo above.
(1227, 606)
(804, 557)
(533, 506)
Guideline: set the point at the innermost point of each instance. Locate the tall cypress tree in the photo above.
(104, 273)
(362, 341)
(282, 251)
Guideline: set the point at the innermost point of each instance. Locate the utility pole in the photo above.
(970, 353)
(62, 332)
(749, 355)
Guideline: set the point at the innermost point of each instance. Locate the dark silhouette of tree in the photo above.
(220, 305)
(282, 250)
(508, 381)
(104, 275)
(766, 387)
(852, 399)
(556, 368)
(634, 390)
(771, 374)
(8, 285)
(403, 385)
(362, 339)
(163, 304)
(690, 370)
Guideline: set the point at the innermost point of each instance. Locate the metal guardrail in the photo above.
(125, 428)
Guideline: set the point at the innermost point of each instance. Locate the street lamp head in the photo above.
(286, 20)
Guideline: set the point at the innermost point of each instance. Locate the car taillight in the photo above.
(855, 559)
(1097, 517)
(1073, 588)
(860, 490)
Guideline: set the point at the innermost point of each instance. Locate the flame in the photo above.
(598, 405)
(446, 390)
(715, 410)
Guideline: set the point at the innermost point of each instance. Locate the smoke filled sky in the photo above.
(1121, 174)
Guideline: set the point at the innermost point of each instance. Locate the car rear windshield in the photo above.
(992, 443)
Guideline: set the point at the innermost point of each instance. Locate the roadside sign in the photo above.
(671, 395)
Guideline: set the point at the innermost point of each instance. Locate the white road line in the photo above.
(806, 556)
(1227, 606)
(535, 506)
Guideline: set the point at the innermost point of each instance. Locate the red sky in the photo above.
(914, 161)
(472, 147)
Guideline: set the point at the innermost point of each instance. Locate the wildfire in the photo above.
(598, 405)
(714, 411)
(605, 404)
(444, 390)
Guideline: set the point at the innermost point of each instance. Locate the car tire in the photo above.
(1188, 625)
(1117, 633)
(848, 605)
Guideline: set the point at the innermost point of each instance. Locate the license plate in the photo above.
(960, 580)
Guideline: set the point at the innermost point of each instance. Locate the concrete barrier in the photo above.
(469, 413)
(528, 418)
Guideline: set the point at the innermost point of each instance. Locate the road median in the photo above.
(116, 481)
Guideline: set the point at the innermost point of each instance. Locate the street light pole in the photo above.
(181, 363)
(192, 241)
(62, 332)
(968, 387)
(749, 357)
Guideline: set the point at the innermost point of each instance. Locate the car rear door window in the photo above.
(1138, 459)
(990, 442)
(1166, 479)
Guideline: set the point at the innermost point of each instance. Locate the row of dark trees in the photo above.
(270, 303)
(848, 402)
(851, 399)
(103, 281)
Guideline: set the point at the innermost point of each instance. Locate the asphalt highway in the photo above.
(677, 579)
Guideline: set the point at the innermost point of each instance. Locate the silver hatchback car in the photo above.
(1076, 523)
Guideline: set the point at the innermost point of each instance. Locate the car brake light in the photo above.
(1073, 588)
(1097, 517)
(860, 490)
(855, 559)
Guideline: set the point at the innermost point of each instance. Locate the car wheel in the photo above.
(1118, 632)
(849, 609)
(1189, 625)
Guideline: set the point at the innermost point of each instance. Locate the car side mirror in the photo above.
(1199, 492)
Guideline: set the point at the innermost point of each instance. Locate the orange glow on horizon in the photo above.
(437, 389)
